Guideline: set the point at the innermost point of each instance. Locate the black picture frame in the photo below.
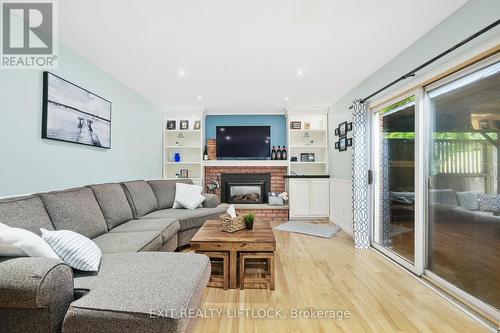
(171, 124)
(336, 145)
(343, 129)
(184, 125)
(349, 142)
(295, 125)
(337, 131)
(66, 109)
(349, 126)
(343, 144)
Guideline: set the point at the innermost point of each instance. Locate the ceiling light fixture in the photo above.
(200, 97)
(300, 72)
(181, 73)
(287, 99)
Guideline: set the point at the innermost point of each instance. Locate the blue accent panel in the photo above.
(277, 123)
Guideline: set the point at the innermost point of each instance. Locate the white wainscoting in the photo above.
(341, 203)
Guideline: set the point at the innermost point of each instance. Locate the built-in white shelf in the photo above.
(298, 162)
(245, 163)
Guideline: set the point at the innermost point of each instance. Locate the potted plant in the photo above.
(249, 218)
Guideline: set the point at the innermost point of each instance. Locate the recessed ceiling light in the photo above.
(300, 72)
(200, 97)
(181, 73)
(287, 99)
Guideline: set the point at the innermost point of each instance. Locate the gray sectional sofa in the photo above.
(141, 285)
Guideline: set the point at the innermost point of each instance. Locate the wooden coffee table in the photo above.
(211, 239)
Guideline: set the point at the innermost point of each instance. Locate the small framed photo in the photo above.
(337, 131)
(349, 142)
(304, 157)
(171, 125)
(307, 125)
(197, 125)
(184, 125)
(349, 126)
(184, 173)
(343, 144)
(336, 145)
(296, 125)
(343, 129)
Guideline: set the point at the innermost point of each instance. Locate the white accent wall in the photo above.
(341, 203)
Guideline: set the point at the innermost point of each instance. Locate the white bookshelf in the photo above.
(188, 143)
(308, 140)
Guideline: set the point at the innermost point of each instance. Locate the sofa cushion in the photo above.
(443, 197)
(26, 213)
(113, 203)
(119, 242)
(76, 210)
(140, 197)
(189, 219)
(489, 202)
(211, 200)
(133, 291)
(468, 200)
(164, 191)
(166, 226)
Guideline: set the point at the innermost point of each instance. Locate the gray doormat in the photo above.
(314, 229)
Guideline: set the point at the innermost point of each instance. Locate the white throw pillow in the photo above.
(16, 242)
(188, 196)
(74, 249)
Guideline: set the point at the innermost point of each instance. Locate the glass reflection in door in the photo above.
(394, 227)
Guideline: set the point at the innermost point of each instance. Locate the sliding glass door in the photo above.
(394, 156)
(463, 201)
(436, 188)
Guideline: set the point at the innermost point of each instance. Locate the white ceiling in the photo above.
(240, 54)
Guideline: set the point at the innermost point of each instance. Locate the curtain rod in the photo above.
(427, 63)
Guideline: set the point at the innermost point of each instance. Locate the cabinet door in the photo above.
(319, 198)
(299, 198)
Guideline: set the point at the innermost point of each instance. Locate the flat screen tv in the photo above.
(244, 142)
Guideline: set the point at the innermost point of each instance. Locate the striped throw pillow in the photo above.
(74, 249)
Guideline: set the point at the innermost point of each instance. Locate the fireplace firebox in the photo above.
(242, 188)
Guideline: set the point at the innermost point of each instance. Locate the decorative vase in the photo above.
(177, 157)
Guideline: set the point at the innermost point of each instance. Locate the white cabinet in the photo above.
(309, 197)
(299, 198)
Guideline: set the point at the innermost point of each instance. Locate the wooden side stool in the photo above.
(216, 281)
(269, 275)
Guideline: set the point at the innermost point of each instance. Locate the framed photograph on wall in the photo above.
(73, 114)
(343, 129)
(184, 125)
(337, 131)
(343, 144)
(296, 125)
(171, 125)
(349, 142)
(349, 126)
(336, 145)
(197, 125)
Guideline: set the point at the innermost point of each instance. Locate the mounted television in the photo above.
(244, 142)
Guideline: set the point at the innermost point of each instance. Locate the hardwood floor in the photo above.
(330, 274)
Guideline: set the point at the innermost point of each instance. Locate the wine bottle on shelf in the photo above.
(284, 154)
(278, 153)
(205, 154)
(273, 153)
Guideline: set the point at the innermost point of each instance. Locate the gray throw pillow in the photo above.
(468, 200)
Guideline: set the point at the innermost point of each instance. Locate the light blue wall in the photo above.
(30, 164)
(277, 123)
(470, 18)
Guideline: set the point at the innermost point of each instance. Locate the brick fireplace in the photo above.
(276, 172)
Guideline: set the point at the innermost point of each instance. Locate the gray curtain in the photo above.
(361, 229)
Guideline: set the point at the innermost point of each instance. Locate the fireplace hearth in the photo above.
(240, 188)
